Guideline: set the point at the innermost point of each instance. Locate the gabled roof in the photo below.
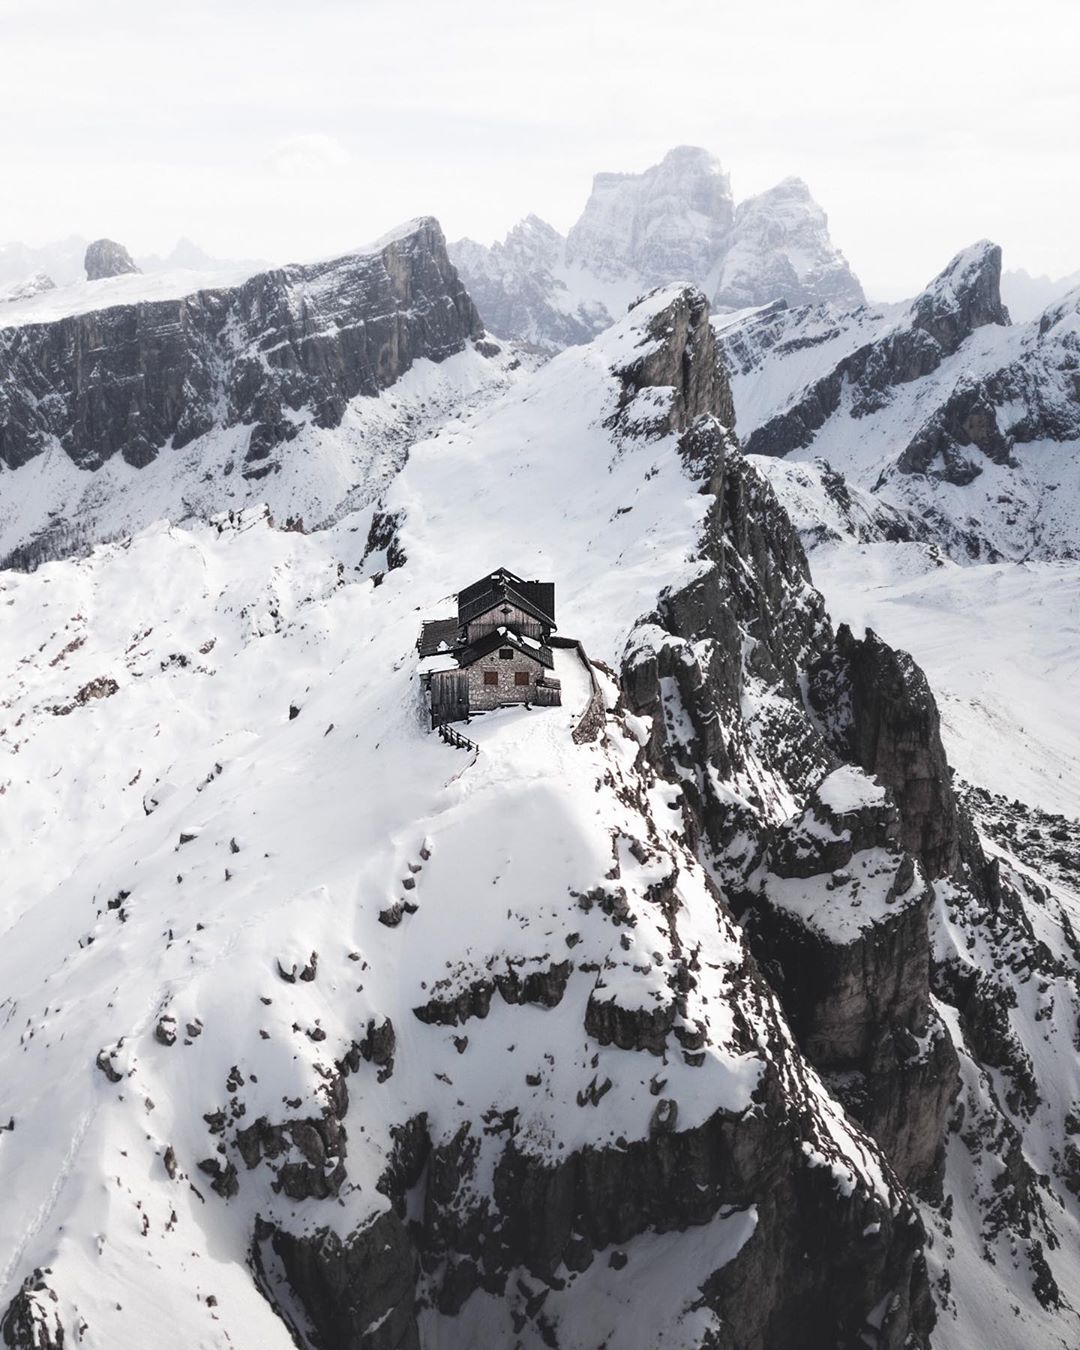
(535, 597)
(504, 637)
(438, 635)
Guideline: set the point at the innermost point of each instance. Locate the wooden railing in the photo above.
(454, 737)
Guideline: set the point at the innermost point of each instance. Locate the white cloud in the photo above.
(307, 156)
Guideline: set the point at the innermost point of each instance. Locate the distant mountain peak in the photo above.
(106, 258)
(964, 296)
(674, 222)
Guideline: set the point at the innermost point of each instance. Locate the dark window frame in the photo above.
(491, 677)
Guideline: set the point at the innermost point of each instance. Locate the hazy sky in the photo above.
(294, 129)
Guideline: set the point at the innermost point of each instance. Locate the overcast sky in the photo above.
(288, 130)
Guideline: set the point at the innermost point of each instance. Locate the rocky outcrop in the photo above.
(779, 249)
(666, 224)
(105, 258)
(964, 297)
(280, 350)
(680, 356)
(881, 714)
(32, 1321)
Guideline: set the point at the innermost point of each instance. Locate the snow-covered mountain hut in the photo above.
(495, 652)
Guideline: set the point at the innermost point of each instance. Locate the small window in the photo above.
(491, 677)
(521, 677)
(506, 654)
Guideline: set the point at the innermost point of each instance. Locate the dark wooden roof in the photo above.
(502, 587)
(503, 637)
(438, 635)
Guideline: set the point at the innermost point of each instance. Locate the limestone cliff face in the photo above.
(106, 258)
(729, 656)
(884, 717)
(963, 298)
(680, 355)
(283, 347)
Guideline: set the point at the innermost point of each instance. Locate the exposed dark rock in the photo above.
(382, 541)
(165, 1031)
(359, 1293)
(32, 1321)
(105, 258)
(881, 713)
(319, 1171)
(105, 1064)
(681, 356)
(544, 986)
(629, 1028)
(223, 1176)
(377, 1047)
(284, 347)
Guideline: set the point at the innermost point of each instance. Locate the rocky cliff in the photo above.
(106, 258)
(913, 402)
(236, 374)
(674, 222)
(691, 1030)
(779, 249)
(285, 347)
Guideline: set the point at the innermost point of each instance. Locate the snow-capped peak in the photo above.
(780, 247)
(673, 222)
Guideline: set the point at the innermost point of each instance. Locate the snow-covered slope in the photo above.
(675, 222)
(941, 409)
(136, 397)
(256, 1011)
(638, 1023)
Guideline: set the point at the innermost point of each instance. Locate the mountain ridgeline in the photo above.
(676, 221)
(133, 379)
(706, 1005)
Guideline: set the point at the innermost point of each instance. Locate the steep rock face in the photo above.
(284, 347)
(839, 909)
(845, 923)
(940, 408)
(963, 298)
(666, 224)
(881, 713)
(680, 371)
(779, 248)
(674, 223)
(106, 258)
(517, 287)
